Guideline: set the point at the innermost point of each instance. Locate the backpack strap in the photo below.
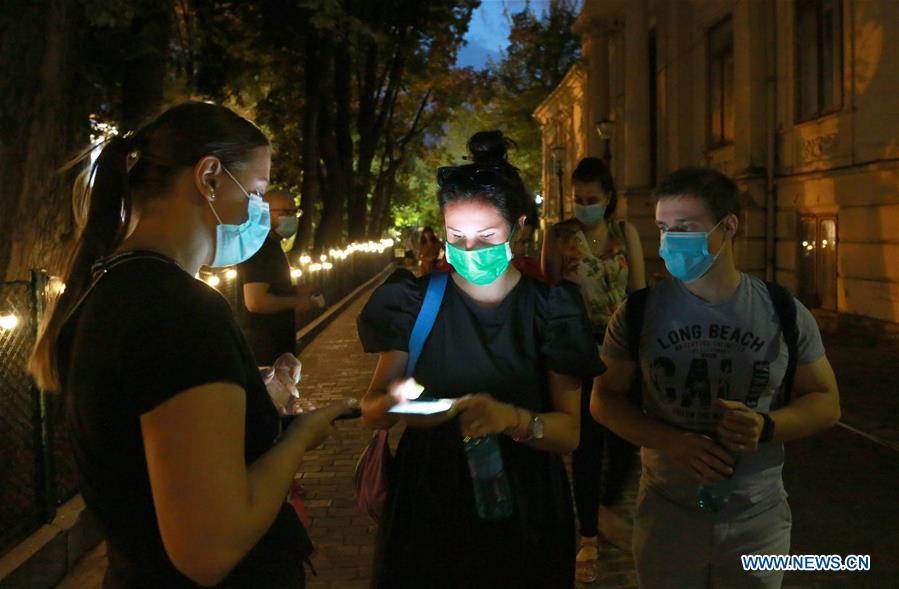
(426, 317)
(634, 310)
(104, 265)
(785, 306)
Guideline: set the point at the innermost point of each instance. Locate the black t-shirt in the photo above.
(273, 334)
(430, 535)
(146, 332)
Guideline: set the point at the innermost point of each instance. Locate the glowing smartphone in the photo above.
(422, 407)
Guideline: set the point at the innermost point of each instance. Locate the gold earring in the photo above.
(211, 196)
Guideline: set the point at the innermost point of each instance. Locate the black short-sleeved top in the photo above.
(430, 535)
(269, 334)
(146, 332)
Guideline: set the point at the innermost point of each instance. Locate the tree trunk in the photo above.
(375, 102)
(385, 220)
(394, 156)
(144, 75)
(378, 193)
(310, 189)
(44, 118)
(330, 229)
(342, 126)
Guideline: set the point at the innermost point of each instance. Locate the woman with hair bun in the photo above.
(511, 351)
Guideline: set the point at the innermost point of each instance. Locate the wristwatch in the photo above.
(535, 429)
(767, 429)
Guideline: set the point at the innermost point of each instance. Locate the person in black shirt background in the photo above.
(178, 445)
(267, 299)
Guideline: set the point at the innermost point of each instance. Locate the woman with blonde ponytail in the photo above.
(178, 445)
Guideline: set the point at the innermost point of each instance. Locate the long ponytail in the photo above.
(101, 234)
(129, 168)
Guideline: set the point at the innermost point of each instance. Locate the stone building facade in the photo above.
(797, 100)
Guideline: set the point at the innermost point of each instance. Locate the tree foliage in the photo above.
(541, 50)
(361, 99)
(347, 89)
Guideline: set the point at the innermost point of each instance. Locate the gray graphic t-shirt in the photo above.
(692, 352)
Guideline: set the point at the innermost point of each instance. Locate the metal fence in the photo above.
(37, 471)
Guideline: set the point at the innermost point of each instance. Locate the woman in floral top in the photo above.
(603, 256)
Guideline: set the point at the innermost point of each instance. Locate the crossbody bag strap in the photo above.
(104, 265)
(426, 317)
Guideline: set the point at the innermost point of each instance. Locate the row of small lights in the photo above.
(103, 131)
(56, 287)
(323, 263)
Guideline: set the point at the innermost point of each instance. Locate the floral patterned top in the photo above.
(602, 278)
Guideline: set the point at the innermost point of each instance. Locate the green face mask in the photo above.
(481, 266)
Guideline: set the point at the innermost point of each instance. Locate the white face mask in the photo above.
(287, 226)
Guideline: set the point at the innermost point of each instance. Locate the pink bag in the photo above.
(297, 494)
(372, 473)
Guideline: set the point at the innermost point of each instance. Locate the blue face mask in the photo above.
(237, 243)
(686, 254)
(589, 215)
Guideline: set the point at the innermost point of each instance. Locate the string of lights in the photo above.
(307, 265)
(215, 278)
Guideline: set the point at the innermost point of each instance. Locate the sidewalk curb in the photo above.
(45, 557)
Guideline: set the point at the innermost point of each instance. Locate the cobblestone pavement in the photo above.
(825, 476)
(335, 366)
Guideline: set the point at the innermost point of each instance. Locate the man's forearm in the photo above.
(805, 416)
(624, 418)
(275, 304)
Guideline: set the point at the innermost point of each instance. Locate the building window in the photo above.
(819, 58)
(817, 284)
(721, 83)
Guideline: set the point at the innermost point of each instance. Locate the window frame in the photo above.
(719, 60)
(838, 72)
(814, 289)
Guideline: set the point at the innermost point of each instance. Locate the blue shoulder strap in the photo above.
(426, 317)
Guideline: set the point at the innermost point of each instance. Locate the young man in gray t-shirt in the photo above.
(712, 357)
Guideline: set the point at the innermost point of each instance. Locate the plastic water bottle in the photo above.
(492, 494)
(716, 496)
